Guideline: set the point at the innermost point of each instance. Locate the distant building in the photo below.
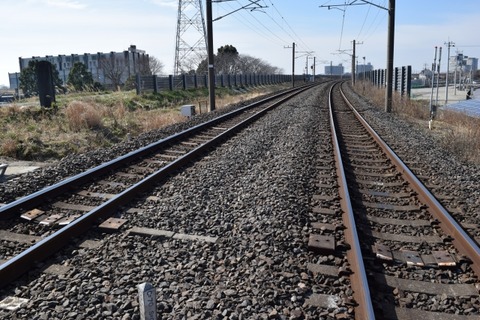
(361, 68)
(14, 80)
(103, 66)
(463, 63)
(334, 70)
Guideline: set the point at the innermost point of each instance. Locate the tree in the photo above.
(155, 66)
(226, 60)
(79, 77)
(113, 70)
(249, 64)
(229, 61)
(28, 78)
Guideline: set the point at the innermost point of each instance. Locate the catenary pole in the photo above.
(432, 84)
(211, 70)
(438, 74)
(390, 51)
(390, 44)
(449, 44)
(353, 64)
(293, 65)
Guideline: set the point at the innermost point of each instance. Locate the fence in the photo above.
(402, 79)
(183, 82)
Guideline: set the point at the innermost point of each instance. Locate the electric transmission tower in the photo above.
(191, 44)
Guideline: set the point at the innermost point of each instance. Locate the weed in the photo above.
(457, 132)
(82, 115)
(98, 119)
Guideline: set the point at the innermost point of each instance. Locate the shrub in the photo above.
(82, 115)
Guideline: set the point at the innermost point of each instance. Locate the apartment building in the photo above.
(101, 65)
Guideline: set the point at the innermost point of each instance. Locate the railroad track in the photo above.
(407, 257)
(44, 222)
(250, 256)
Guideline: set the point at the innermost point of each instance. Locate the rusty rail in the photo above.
(20, 264)
(361, 291)
(462, 241)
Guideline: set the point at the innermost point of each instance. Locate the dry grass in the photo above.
(8, 147)
(158, 119)
(401, 106)
(457, 132)
(83, 115)
(460, 134)
(92, 120)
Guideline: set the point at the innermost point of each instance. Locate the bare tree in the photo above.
(113, 69)
(155, 66)
(249, 64)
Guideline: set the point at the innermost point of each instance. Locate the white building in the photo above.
(463, 63)
(334, 70)
(361, 68)
(102, 65)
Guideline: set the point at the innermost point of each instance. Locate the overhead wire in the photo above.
(343, 24)
(364, 21)
(369, 33)
(263, 32)
(288, 25)
(251, 20)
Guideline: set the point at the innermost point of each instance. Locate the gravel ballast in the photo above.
(253, 194)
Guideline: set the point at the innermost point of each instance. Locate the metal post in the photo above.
(306, 70)
(409, 81)
(353, 64)
(155, 83)
(449, 44)
(364, 70)
(433, 80)
(211, 70)
(438, 73)
(170, 82)
(391, 36)
(314, 69)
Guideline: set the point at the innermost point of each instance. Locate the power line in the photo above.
(364, 21)
(370, 32)
(343, 24)
(288, 25)
(264, 32)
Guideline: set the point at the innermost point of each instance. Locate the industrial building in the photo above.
(334, 70)
(103, 66)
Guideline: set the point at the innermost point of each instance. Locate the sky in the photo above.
(52, 27)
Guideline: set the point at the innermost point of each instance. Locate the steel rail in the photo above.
(462, 241)
(30, 201)
(361, 291)
(20, 264)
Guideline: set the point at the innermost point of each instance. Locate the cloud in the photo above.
(68, 4)
(166, 3)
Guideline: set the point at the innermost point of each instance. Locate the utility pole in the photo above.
(438, 73)
(293, 63)
(211, 70)
(314, 69)
(390, 45)
(364, 74)
(353, 64)
(390, 50)
(449, 44)
(432, 111)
